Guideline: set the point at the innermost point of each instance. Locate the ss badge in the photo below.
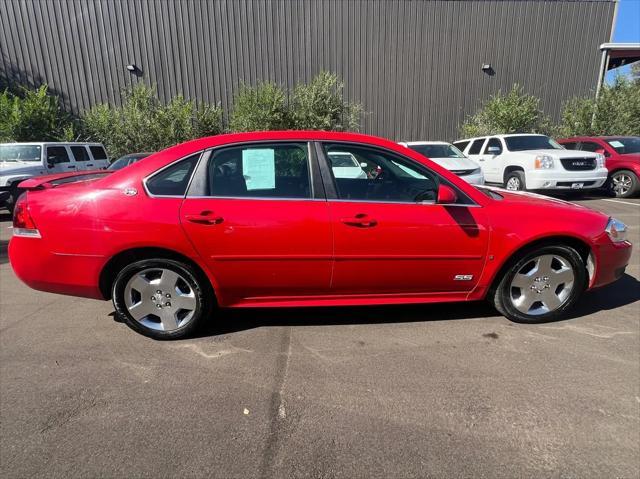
(463, 277)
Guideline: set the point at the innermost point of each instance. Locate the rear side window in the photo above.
(460, 145)
(476, 146)
(278, 170)
(57, 154)
(80, 153)
(98, 152)
(590, 146)
(493, 142)
(173, 180)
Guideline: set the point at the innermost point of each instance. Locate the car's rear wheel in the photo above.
(541, 285)
(160, 298)
(515, 181)
(624, 184)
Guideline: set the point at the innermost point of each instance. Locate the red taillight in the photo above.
(23, 224)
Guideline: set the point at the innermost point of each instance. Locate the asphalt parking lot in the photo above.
(420, 391)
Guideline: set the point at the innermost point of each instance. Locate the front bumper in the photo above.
(565, 180)
(4, 196)
(611, 259)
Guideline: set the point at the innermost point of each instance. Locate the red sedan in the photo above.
(622, 159)
(266, 219)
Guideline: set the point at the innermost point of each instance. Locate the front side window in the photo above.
(279, 170)
(20, 153)
(476, 146)
(173, 180)
(571, 145)
(385, 177)
(80, 153)
(496, 146)
(438, 151)
(531, 142)
(57, 154)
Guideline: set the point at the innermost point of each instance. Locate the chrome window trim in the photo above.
(149, 176)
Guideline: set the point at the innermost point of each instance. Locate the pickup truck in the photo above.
(534, 162)
(19, 161)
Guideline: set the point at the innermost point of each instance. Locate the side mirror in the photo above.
(447, 195)
(493, 150)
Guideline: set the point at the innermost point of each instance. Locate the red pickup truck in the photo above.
(622, 159)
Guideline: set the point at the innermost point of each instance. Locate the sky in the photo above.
(627, 29)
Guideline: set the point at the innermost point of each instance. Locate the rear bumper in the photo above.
(562, 179)
(39, 268)
(611, 260)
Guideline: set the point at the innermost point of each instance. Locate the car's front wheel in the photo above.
(160, 298)
(515, 181)
(541, 285)
(624, 184)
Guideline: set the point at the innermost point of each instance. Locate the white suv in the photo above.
(449, 157)
(19, 161)
(534, 162)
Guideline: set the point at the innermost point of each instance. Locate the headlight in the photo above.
(600, 160)
(476, 171)
(616, 230)
(544, 162)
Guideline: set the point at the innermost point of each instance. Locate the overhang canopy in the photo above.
(620, 54)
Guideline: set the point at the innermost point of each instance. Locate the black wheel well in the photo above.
(511, 168)
(580, 246)
(120, 260)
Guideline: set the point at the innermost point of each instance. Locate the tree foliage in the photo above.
(263, 107)
(616, 112)
(144, 123)
(514, 112)
(33, 115)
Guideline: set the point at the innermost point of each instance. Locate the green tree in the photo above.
(144, 123)
(263, 107)
(33, 115)
(514, 112)
(615, 112)
(319, 105)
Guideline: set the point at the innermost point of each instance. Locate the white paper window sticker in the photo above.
(259, 168)
(616, 144)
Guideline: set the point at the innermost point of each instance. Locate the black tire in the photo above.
(193, 280)
(618, 181)
(517, 177)
(502, 298)
(14, 194)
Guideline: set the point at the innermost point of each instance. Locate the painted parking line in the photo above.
(620, 201)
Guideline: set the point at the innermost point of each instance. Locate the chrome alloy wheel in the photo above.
(513, 184)
(160, 299)
(542, 285)
(621, 184)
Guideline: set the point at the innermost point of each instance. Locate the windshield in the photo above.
(118, 164)
(20, 152)
(438, 151)
(531, 142)
(625, 145)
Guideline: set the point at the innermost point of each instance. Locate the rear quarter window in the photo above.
(98, 152)
(174, 179)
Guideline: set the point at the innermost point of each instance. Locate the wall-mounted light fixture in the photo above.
(488, 69)
(134, 70)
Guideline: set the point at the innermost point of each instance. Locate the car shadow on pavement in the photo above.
(621, 293)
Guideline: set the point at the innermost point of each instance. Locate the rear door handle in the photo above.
(360, 220)
(71, 166)
(205, 218)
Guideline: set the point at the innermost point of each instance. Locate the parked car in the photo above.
(449, 157)
(345, 165)
(127, 160)
(19, 161)
(622, 159)
(260, 219)
(534, 162)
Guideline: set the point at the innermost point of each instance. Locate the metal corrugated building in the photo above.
(415, 65)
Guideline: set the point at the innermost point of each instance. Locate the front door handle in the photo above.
(360, 220)
(205, 218)
(71, 166)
